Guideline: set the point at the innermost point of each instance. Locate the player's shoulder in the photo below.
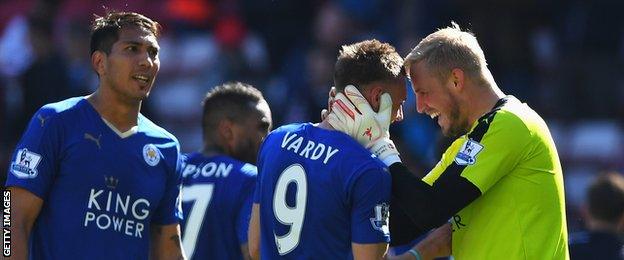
(288, 128)
(515, 112)
(61, 108)
(512, 117)
(153, 130)
(275, 137)
(518, 120)
(312, 132)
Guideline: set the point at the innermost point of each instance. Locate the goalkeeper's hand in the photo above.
(351, 114)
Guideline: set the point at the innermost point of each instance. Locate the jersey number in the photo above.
(201, 194)
(290, 216)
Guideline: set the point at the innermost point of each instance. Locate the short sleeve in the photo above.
(500, 149)
(257, 190)
(169, 210)
(35, 161)
(244, 215)
(370, 207)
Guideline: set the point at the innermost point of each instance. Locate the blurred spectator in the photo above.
(604, 217)
(46, 80)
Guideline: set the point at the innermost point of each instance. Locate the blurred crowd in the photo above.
(564, 58)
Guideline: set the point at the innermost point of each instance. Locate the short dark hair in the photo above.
(366, 62)
(105, 29)
(232, 101)
(606, 197)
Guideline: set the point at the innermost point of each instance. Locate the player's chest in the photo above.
(104, 160)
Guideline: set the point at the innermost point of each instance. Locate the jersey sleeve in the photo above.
(247, 195)
(260, 166)
(169, 210)
(35, 161)
(244, 215)
(370, 207)
(500, 149)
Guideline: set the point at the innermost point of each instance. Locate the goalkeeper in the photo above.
(500, 182)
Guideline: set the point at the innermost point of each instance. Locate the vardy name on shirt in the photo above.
(312, 150)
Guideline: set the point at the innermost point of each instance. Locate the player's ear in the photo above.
(98, 59)
(373, 96)
(226, 133)
(458, 79)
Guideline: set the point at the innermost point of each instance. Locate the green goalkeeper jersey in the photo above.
(512, 159)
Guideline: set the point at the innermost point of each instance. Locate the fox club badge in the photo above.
(151, 154)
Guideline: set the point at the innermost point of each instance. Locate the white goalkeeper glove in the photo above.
(352, 115)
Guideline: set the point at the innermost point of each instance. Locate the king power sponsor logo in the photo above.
(113, 211)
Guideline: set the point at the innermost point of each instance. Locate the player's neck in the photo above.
(483, 101)
(122, 115)
(325, 125)
(212, 150)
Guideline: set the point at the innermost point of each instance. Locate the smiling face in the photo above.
(130, 69)
(439, 100)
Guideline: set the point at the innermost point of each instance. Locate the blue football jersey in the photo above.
(101, 192)
(319, 191)
(217, 194)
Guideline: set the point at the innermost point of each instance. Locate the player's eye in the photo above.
(153, 52)
(132, 48)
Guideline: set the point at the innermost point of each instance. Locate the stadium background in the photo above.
(564, 58)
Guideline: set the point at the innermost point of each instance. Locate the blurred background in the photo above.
(563, 58)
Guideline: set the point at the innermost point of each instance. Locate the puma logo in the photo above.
(41, 119)
(96, 140)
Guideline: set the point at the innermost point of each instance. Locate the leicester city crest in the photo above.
(151, 154)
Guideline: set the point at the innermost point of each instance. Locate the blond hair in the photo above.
(446, 49)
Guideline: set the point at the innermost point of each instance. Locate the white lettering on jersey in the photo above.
(211, 169)
(311, 150)
(117, 218)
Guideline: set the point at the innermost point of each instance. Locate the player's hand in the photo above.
(330, 100)
(350, 113)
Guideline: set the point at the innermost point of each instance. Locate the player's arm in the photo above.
(436, 244)
(25, 206)
(426, 206)
(369, 251)
(165, 234)
(369, 214)
(166, 243)
(254, 232)
(244, 217)
(245, 251)
(31, 175)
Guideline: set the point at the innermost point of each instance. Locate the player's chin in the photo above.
(144, 92)
(140, 96)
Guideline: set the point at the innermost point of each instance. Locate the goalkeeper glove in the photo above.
(352, 115)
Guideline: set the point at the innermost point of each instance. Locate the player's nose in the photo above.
(145, 60)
